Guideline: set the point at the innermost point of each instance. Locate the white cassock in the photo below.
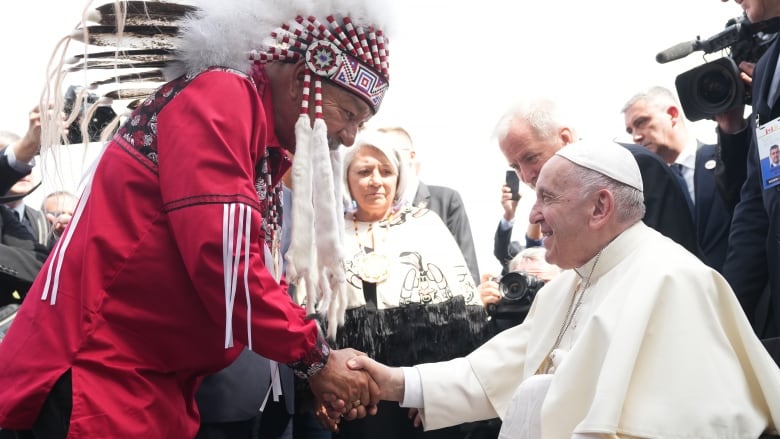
(660, 348)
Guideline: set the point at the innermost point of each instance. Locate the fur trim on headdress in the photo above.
(224, 32)
(301, 257)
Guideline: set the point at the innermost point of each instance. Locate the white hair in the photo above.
(382, 141)
(543, 115)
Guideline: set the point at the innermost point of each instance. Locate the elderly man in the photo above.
(636, 339)
(135, 306)
(532, 131)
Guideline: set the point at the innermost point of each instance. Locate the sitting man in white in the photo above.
(637, 338)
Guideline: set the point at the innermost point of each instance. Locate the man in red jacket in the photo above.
(169, 268)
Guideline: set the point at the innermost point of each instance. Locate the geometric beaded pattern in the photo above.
(354, 57)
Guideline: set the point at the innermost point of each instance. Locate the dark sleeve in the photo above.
(530, 242)
(15, 234)
(458, 223)
(747, 240)
(8, 175)
(501, 245)
(19, 265)
(666, 209)
(21, 257)
(731, 171)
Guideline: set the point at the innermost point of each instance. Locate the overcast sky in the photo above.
(455, 68)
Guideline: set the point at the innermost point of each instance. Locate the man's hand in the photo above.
(59, 222)
(326, 417)
(389, 379)
(733, 121)
(509, 205)
(414, 415)
(351, 392)
(488, 290)
(29, 145)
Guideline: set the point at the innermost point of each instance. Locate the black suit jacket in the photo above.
(40, 226)
(21, 257)
(8, 175)
(712, 215)
(447, 203)
(753, 263)
(666, 207)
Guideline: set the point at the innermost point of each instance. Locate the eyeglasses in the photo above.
(57, 213)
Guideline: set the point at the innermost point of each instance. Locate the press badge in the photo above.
(768, 142)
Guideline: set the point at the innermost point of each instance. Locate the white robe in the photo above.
(660, 348)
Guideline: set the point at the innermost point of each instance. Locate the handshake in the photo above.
(351, 385)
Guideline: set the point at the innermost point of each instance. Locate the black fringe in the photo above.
(415, 333)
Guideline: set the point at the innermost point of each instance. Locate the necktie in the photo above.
(26, 222)
(677, 170)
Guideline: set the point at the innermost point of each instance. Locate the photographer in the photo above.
(529, 263)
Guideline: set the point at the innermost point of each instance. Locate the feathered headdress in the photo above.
(142, 44)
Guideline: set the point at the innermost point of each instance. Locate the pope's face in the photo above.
(562, 213)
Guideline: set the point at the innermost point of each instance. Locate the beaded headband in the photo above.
(355, 59)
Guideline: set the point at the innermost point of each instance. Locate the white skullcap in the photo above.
(607, 158)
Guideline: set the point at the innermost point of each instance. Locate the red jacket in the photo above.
(140, 309)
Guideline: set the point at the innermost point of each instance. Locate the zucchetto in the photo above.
(605, 157)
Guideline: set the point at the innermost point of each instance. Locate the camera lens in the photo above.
(710, 89)
(513, 286)
(715, 88)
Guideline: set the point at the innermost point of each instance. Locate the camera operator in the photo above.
(535, 269)
(754, 248)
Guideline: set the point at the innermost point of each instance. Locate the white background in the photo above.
(455, 68)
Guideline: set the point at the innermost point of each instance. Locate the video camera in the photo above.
(101, 117)
(518, 290)
(715, 87)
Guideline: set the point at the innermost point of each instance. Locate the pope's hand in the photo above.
(389, 379)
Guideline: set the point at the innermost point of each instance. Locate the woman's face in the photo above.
(372, 180)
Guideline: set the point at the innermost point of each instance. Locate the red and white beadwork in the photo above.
(352, 56)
